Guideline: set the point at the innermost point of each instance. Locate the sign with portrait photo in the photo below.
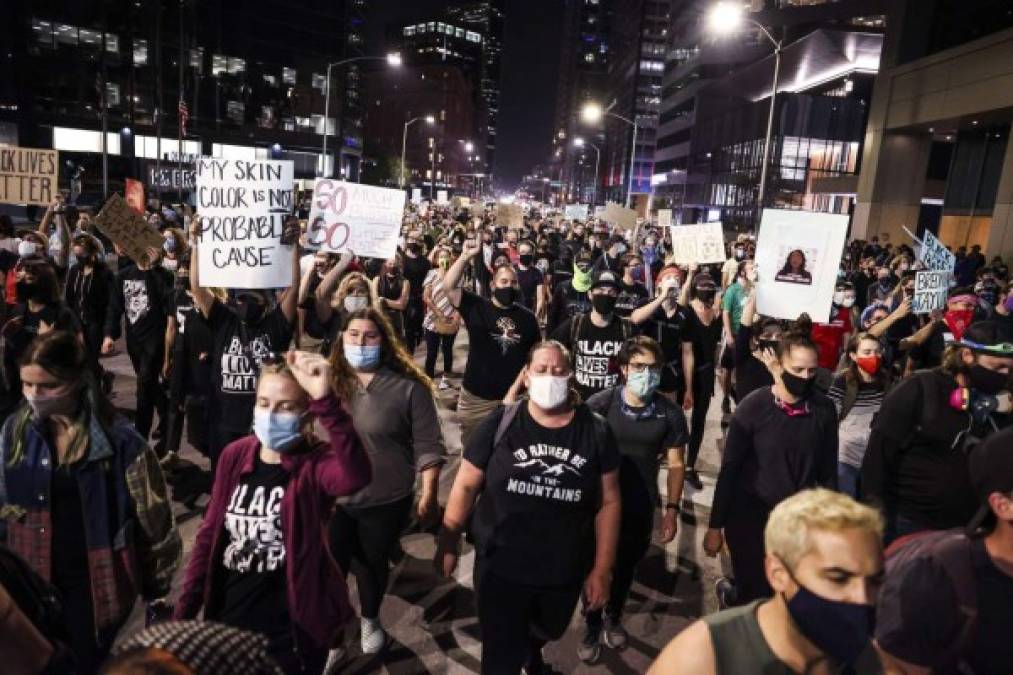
(798, 254)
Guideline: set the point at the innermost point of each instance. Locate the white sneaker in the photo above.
(373, 636)
(444, 384)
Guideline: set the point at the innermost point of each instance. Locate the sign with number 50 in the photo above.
(362, 219)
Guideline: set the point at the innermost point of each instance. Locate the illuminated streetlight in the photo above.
(469, 146)
(394, 59)
(593, 113)
(724, 17)
(429, 119)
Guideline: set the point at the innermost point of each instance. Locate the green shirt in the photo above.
(733, 302)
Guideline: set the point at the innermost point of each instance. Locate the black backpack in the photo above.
(37, 599)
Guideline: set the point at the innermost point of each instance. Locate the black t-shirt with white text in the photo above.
(499, 340)
(253, 564)
(534, 523)
(669, 332)
(594, 349)
(238, 350)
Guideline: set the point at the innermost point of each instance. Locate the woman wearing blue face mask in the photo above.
(392, 404)
(646, 427)
(259, 561)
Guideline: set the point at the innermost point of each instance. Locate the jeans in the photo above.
(435, 342)
(848, 479)
(634, 541)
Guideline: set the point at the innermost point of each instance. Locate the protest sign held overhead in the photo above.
(441, 197)
(664, 217)
(576, 211)
(797, 257)
(135, 194)
(242, 206)
(620, 216)
(930, 291)
(28, 175)
(698, 243)
(510, 215)
(934, 255)
(363, 219)
(128, 229)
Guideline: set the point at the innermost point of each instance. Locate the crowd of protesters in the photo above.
(864, 494)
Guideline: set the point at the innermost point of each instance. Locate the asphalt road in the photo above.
(432, 623)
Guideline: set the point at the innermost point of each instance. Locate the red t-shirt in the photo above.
(829, 337)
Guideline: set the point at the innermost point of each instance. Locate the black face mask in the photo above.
(842, 630)
(25, 290)
(505, 296)
(603, 304)
(182, 283)
(986, 380)
(799, 387)
(526, 259)
(414, 248)
(706, 296)
(249, 311)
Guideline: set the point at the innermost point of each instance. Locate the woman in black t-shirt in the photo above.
(392, 294)
(546, 527)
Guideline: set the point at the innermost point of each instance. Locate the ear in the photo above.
(777, 574)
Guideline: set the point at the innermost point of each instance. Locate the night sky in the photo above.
(530, 66)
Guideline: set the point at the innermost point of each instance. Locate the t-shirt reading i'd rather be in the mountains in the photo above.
(535, 521)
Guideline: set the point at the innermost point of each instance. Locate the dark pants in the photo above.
(414, 314)
(702, 393)
(219, 437)
(308, 659)
(435, 341)
(93, 336)
(89, 649)
(361, 542)
(516, 621)
(744, 535)
(634, 541)
(147, 357)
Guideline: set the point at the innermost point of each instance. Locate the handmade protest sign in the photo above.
(416, 195)
(510, 215)
(620, 216)
(664, 217)
(28, 175)
(934, 255)
(242, 206)
(128, 229)
(134, 194)
(797, 257)
(698, 243)
(362, 219)
(575, 211)
(441, 197)
(931, 288)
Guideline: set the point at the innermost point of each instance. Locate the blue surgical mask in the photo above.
(169, 246)
(279, 431)
(644, 384)
(362, 357)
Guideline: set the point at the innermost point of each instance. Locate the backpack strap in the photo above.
(850, 397)
(509, 412)
(953, 553)
(576, 324)
(627, 327)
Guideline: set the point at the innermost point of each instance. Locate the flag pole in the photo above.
(183, 113)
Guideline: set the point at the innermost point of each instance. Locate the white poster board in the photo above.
(416, 195)
(575, 211)
(441, 197)
(931, 288)
(935, 255)
(242, 205)
(664, 217)
(363, 219)
(798, 254)
(701, 244)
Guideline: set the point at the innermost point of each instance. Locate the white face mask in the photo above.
(354, 303)
(26, 249)
(171, 265)
(548, 391)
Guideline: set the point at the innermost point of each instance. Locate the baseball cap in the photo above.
(605, 278)
(990, 465)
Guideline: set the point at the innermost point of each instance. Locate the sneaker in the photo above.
(443, 383)
(727, 594)
(612, 633)
(589, 649)
(373, 636)
(693, 478)
(334, 659)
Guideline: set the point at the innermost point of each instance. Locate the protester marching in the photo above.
(530, 396)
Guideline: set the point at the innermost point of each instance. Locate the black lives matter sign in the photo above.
(242, 206)
(28, 175)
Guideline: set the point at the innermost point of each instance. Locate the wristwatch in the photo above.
(675, 507)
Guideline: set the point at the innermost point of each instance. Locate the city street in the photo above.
(432, 623)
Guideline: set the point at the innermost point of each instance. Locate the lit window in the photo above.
(140, 52)
(409, 30)
(43, 32)
(112, 94)
(473, 37)
(589, 57)
(319, 81)
(271, 80)
(66, 34)
(92, 38)
(219, 64)
(234, 111)
(459, 32)
(112, 43)
(236, 66)
(288, 75)
(197, 59)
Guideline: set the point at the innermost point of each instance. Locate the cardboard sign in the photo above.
(363, 219)
(459, 203)
(931, 288)
(701, 244)
(575, 211)
(28, 175)
(242, 205)
(441, 197)
(798, 254)
(934, 254)
(664, 217)
(128, 229)
(510, 215)
(135, 194)
(620, 216)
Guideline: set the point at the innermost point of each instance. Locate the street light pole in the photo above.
(580, 142)
(761, 198)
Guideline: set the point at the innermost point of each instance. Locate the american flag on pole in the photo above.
(184, 116)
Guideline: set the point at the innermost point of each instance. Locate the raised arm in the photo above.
(327, 285)
(684, 292)
(290, 296)
(749, 310)
(202, 297)
(642, 314)
(452, 279)
(903, 309)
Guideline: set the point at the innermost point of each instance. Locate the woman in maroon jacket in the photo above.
(259, 561)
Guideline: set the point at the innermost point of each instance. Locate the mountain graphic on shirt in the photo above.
(548, 469)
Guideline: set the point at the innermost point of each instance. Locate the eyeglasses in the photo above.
(644, 367)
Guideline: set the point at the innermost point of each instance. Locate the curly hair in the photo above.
(393, 355)
(345, 289)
